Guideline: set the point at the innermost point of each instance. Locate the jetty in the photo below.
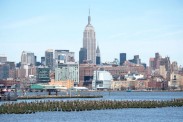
(82, 105)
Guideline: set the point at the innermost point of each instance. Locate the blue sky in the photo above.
(141, 27)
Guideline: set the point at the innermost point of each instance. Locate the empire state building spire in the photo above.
(89, 18)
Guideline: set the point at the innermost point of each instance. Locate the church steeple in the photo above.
(89, 18)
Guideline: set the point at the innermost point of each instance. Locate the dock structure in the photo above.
(52, 88)
(58, 96)
(47, 88)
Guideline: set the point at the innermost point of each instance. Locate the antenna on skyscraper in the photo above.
(89, 11)
(89, 18)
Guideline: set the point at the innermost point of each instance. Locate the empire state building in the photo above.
(89, 41)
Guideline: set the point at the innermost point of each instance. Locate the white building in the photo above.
(102, 80)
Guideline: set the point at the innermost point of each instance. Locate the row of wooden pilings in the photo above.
(82, 105)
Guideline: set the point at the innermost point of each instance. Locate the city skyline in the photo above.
(136, 28)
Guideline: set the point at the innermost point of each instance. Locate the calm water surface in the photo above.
(167, 114)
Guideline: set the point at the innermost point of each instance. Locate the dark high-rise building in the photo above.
(49, 58)
(122, 58)
(43, 60)
(11, 64)
(82, 55)
(157, 55)
(98, 62)
(12, 71)
(35, 59)
(18, 64)
(137, 60)
(4, 71)
(43, 74)
(98, 59)
(144, 64)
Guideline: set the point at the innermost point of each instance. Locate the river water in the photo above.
(167, 114)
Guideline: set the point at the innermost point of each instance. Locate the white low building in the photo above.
(101, 80)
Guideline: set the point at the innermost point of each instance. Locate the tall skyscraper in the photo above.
(89, 41)
(49, 58)
(98, 59)
(27, 58)
(4, 71)
(12, 70)
(35, 59)
(122, 58)
(82, 55)
(137, 60)
(43, 60)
